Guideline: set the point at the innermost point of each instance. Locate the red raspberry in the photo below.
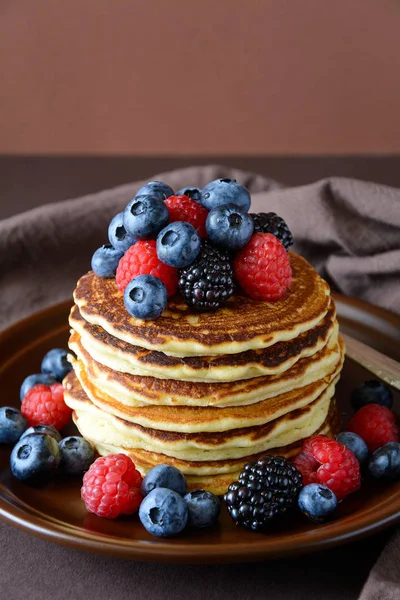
(142, 259)
(111, 487)
(44, 405)
(183, 208)
(326, 461)
(376, 425)
(263, 269)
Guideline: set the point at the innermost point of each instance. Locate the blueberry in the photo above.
(225, 191)
(77, 454)
(56, 363)
(32, 380)
(164, 476)
(354, 443)
(117, 234)
(156, 188)
(163, 512)
(203, 507)
(317, 502)
(193, 192)
(105, 261)
(47, 429)
(385, 462)
(229, 227)
(178, 244)
(372, 392)
(12, 425)
(35, 457)
(145, 216)
(145, 297)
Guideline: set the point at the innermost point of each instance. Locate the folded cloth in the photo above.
(349, 230)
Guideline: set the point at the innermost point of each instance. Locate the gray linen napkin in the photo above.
(349, 230)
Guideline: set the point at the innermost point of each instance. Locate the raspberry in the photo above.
(326, 461)
(44, 405)
(111, 487)
(142, 259)
(263, 269)
(376, 425)
(183, 208)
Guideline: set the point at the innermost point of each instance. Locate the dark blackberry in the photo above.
(272, 223)
(266, 489)
(207, 283)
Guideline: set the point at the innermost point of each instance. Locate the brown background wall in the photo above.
(205, 76)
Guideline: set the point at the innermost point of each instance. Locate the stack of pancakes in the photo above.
(205, 392)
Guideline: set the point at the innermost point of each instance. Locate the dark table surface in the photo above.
(31, 568)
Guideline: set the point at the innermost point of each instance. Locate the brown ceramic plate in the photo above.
(57, 513)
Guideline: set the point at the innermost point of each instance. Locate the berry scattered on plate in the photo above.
(35, 458)
(372, 392)
(32, 380)
(111, 487)
(266, 490)
(45, 405)
(55, 363)
(375, 424)
(203, 508)
(326, 461)
(385, 462)
(76, 454)
(12, 424)
(354, 443)
(164, 476)
(47, 429)
(317, 502)
(163, 512)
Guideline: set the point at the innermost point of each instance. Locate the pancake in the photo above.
(96, 424)
(205, 392)
(136, 390)
(190, 419)
(242, 324)
(120, 356)
(217, 475)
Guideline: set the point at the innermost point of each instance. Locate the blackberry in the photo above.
(266, 489)
(272, 223)
(208, 282)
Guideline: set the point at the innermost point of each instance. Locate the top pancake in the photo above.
(242, 324)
